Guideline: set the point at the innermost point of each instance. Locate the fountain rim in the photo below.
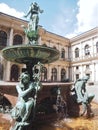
(54, 53)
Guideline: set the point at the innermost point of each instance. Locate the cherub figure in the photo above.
(25, 103)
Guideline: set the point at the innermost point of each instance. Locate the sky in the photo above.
(67, 18)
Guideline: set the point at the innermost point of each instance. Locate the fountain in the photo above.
(33, 56)
(27, 110)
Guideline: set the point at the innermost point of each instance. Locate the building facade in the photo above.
(84, 55)
(11, 33)
(78, 55)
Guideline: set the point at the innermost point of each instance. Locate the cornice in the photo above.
(84, 35)
(11, 22)
(12, 18)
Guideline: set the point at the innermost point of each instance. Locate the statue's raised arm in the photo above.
(32, 30)
(34, 10)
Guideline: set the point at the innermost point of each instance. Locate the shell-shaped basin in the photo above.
(24, 54)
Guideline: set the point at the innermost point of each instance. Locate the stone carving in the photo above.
(82, 96)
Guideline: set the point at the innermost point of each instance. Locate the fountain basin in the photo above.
(24, 54)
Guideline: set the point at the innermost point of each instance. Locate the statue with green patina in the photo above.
(32, 30)
(27, 95)
(25, 103)
(82, 95)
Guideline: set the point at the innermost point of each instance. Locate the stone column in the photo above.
(7, 68)
(25, 40)
(92, 47)
(49, 73)
(96, 71)
(81, 52)
(7, 64)
(92, 72)
(81, 70)
(67, 72)
(73, 73)
(10, 42)
(59, 73)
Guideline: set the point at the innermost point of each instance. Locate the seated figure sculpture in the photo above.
(25, 103)
(82, 97)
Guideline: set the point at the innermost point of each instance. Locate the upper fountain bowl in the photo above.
(24, 54)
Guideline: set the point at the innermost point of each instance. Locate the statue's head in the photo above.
(25, 77)
(85, 78)
(34, 3)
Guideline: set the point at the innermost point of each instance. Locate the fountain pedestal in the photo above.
(33, 56)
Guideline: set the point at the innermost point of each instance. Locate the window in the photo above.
(44, 74)
(97, 47)
(77, 76)
(76, 52)
(3, 38)
(17, 40)
(54, 74)
(77, 67)
(87, 50)
(62, 53)
(14, 73)
(63, 75)
(88, 75)
(87, 66)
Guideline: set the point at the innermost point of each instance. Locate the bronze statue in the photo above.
(25, 103)
(27, 95)
(32, 30)
(34, 10)
(82, 96)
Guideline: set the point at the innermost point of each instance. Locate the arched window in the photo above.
(76, 52)
(54, 74)
(44, 74)
(97, 47)
(3, 38)
(87, 50)
(17, 40)
(62, 53)
(1, 71)
(14, 73)
(77, 76)
(63, 75)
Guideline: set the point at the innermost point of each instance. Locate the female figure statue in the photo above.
(32, 30)
(34, 19)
